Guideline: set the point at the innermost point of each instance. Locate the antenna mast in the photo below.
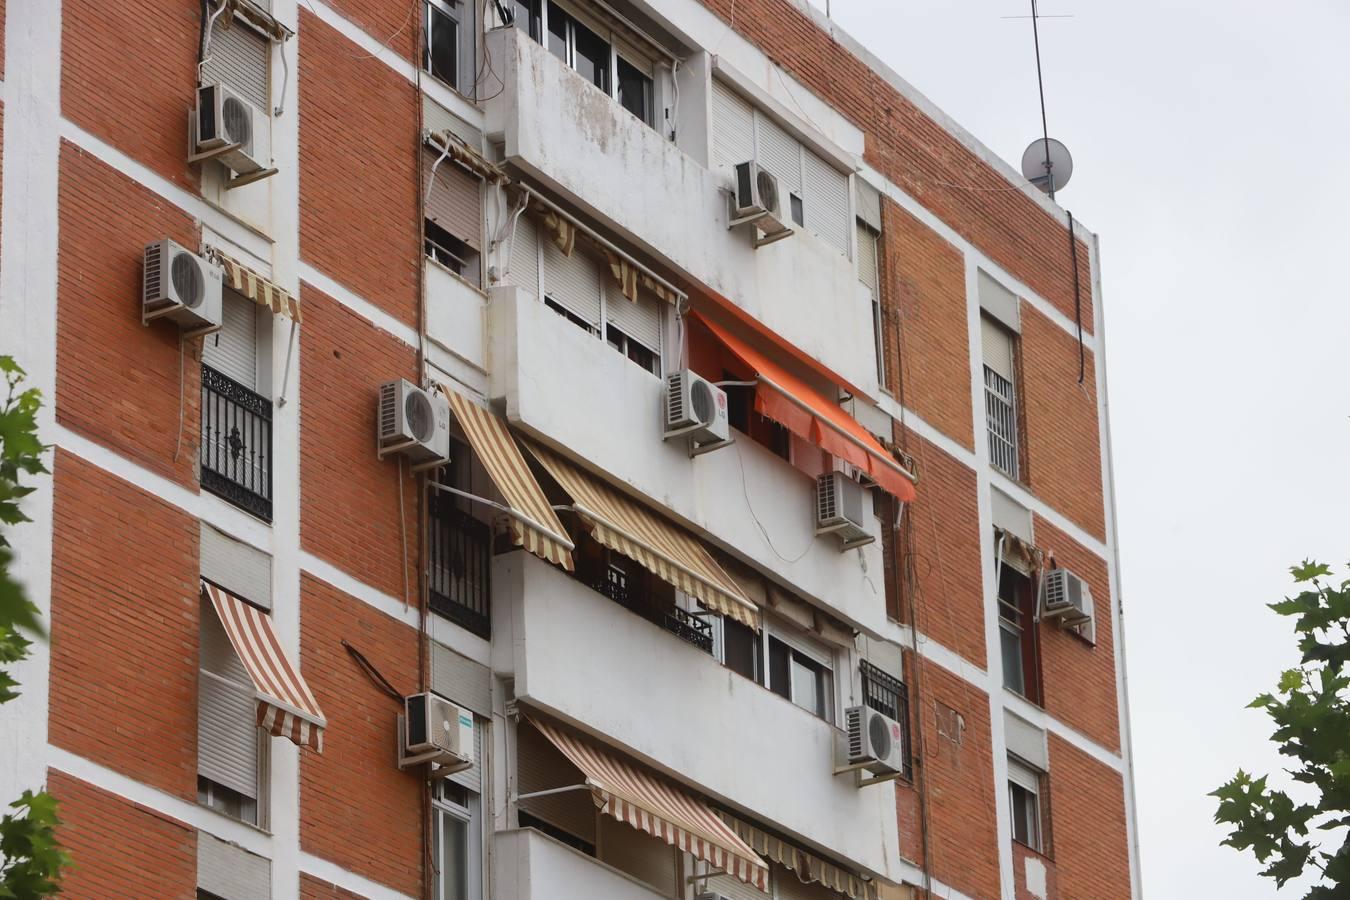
(1040, 87)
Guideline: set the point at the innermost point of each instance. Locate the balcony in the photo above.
(456, 322)
(527, 865)
(572, 139)
(459, 551)
(569, 390)
(236, 444)
(575, 656)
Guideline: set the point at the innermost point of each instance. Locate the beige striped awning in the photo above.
(286, 706)
(241, 278)
(807, 867)
(667, 551)
(534, 524)
(661, 809)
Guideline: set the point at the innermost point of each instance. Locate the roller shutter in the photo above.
(867, 258)
(524, 259)
(472, 777)
(242, 570)
(227, 733)
(226, 870)
(733, 127)
(573, 282)
(638, 854)
(241, 58)
(540, 766)
(826, 201)
(233, 350)
(640, 320)
(781, 154)
(455, 199)
(997, 344)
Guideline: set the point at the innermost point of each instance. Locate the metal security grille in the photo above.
(1000, 413)
(236, 445)
(887, 695)
(460, 558)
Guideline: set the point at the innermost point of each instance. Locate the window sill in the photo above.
(265, 832)
(455, 275)
(1040, 854)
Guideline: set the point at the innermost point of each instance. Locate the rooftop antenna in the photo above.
(1046, 163)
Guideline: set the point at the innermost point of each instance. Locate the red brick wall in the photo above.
(117, 381)
(120, 849)
(918, 154)
(940, 535)
(358, 172)
(124, 628)
(1063, 446)
(389, 22)
(1079, 679)
(312, 888)
(1024, 857)
(139, 104)
(349, 499)
(1087, 802)
(924, 294)
(356, 807)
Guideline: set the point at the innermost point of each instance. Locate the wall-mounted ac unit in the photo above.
(874, 741)
(434, 730)
(843, 508)
(757, 202)
(229, 128)
(696, 408)
(180, 286)
(1066, 597)
(413, 422)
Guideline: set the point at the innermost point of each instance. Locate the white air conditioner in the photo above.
(180, 286)
(1066, 597)
(874, 741)
(843, 508)
(225, 119)
(413, 422)
(434, 730)
(757, 201)
(696, 408)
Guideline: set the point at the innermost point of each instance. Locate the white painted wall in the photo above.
(456, 317)
(526, 865)
(572, 138)
(573, 390)
(581, 657)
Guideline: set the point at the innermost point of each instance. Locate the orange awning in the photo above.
(803, 410)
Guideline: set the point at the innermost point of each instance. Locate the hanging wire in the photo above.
(1077, 302)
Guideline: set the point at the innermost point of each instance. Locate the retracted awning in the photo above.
(286, 706)
(253, 286)
(794, 404)
(667, 551)
(534, 524)
(653, 805)
(808, 867)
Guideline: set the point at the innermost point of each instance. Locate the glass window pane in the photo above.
(526, 16)
(635, 91)
(453, 858)
(780, 668)
(740, 648)
(798, 214)
(592, 56)
(1010, 640)
(443, 46)
(807, 690)
(557, 31)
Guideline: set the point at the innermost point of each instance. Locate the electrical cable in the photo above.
(376, 678)
(1077, 302)
(178, 447)
(745, 492)
(1040, 86)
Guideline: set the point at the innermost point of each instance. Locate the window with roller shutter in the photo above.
(999, 349)
(572, 285)
(540, 767)
(869, 273)
(233, 350)
(241, 58)
(231, 752)
(454, 215)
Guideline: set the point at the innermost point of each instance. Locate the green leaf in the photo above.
(1308, 570)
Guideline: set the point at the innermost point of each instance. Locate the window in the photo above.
(1000, 396)
(452, 253)
(459, 550)
(231, 749)
(741, 650)
(635, 90)
(456, 841)
(1024, 802)
(235, 455)
(449, 51)
(578, 47)
(741, 415)
(792, 666)
(798, 211)
(869, 273)
(525, 14)
(1017, 633)
(629, 347)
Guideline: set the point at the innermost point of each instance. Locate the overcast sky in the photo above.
(1210, 143)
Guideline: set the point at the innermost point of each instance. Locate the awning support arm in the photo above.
(503, 508)
(551, 791)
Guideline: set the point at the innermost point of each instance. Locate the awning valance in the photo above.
(667, 551)
(661, 809)
(807, 867)
(286, 706)
(253, 286)
(803, 410)
(534, 524)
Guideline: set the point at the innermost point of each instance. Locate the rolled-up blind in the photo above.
(640, 319)
(573, 282)
(240, 58)
(455, 199)
(227, 733)
(867, 258)
(472, 777)
(241, 569)
(233, 350)
(997, 344)
(733, 127)
(225, 870)
(539, 767)
(826, 201)
(525, 257)
(781, 154)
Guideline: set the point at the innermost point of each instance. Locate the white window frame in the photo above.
(472, 817)
(606, 32)
(466, 47)
(878, 330)
(819, 654)
(1028, 780)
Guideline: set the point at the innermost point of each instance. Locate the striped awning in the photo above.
(249, 283)
(669, 552)
(808, 868)
(286, 707)
(661, 809)
(534, 524)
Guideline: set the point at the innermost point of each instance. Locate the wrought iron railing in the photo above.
(615, 584)
(1000, 412)
(236, 445)
(459, 551)
(887, 694)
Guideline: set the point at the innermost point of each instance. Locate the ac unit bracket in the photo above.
(241, 180)
(195, 158)
(700, 449)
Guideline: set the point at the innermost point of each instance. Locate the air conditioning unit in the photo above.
(874, 741)
(413, 422)
(696, 408)
(843, 509)
(1066, 597)
(180, 286)
(434, 730)
(757, 201)
(225, 119)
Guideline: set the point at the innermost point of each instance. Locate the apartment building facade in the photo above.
(658, 400)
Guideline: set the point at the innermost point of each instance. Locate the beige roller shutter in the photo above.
(455, 199)
(868, 273)
(241, 58)
(241, 569)
(233, 350)
(867, 203)
(461, 680)
(436, 118)
(573, 282)
(997, 344)
(733, 888)
(472, 777)
(640, 855)
(733, 123)
(825, 199)
(227, 870)
(227, 734)
(781, 154)
(539, 767)
(640, 320)
(525, 256)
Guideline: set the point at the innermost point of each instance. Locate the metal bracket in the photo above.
(700, 449)
(203, 156)
(241, 180)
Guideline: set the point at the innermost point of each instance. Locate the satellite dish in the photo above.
(1047, 164)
